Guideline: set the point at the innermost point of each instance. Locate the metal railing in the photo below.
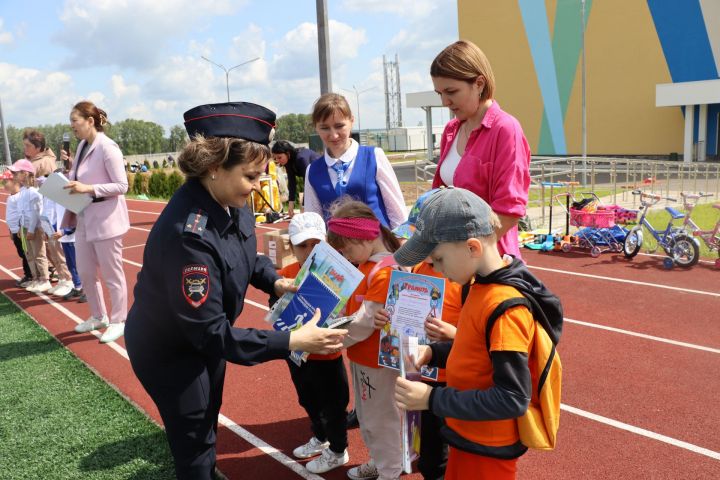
(615, 177)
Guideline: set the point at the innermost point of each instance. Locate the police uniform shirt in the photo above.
(198, 263)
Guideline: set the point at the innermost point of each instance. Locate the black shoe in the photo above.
(218, 475)
(82, 299)
(74, 293)
(20, 281)
(351, 420)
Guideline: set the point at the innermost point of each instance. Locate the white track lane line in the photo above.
(622, 280)
(643, 335)
(237, 429)
(134, 246)
(641, 431)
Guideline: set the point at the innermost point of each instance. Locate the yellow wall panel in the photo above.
(497, 28)
(624, 63)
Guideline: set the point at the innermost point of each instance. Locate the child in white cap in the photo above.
(321, 382)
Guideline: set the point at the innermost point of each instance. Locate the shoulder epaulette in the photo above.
(195, 223)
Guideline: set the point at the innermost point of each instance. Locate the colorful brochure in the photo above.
(326, 281)
(411, 299)
(409, 420)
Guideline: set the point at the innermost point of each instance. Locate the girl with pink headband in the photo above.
(355, 231)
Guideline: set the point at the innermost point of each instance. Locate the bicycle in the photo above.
(682, 249)
(710, 237)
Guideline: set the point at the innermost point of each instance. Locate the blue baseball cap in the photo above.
(406, 230)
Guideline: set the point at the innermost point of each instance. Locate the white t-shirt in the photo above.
(447, 169)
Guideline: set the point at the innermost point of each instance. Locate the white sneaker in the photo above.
(92, 323)
(114, 331)
(40, 286)
(62, 288)
(311, 448)
(327, 461)
(366, 471)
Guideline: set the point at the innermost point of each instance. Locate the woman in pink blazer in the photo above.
(98, 170)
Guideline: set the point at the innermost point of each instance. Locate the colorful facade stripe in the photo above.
(534, 47)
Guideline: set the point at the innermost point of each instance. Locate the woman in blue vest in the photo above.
(364, 173)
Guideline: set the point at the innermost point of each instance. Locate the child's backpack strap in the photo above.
(499, 310)
(539, 425)
(388, 261)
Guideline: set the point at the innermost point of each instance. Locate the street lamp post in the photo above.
(227, 71)
(584, 107)
(357, 101)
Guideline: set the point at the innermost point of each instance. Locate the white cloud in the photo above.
(131, 33)
(297, 52)
(5, 37)
(32, 97)
(121, 89)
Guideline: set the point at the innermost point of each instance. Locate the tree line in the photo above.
(137, 137)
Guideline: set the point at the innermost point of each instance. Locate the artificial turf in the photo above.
(58, 420)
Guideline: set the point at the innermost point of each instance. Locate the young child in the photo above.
(321, 382)
(486, 391)
(363, 240)
(361, 172)
(66, 238)
(433, 449)
(30, 207)
(12, 218)
(53, 248)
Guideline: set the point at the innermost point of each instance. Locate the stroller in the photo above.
(596, 223)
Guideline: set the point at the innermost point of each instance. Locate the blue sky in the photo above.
(141, 58)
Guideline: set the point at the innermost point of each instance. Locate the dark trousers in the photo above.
(18, 246)
(188, 396)
(322, 389)
(433, 449)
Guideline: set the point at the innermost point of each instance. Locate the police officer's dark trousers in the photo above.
(189, 407)
(322, 388)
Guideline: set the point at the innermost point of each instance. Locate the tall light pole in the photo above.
(584, 108)
(323, 30)
(357, 101)
(6, 143)
(227, 71)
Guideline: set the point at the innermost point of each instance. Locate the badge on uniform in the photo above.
(196, 223)
(195, 284)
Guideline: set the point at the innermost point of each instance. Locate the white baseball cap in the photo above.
(306, 225)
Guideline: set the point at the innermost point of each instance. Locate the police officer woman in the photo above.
(200, 257)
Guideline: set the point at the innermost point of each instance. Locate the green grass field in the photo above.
(58, 420)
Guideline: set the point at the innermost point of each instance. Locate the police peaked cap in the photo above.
(234, 119)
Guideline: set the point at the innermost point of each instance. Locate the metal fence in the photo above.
(614, 177)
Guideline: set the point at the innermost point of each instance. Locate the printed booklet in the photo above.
(411, 299)
(326, 281)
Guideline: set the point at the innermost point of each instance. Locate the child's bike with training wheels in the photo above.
(682, 249)
(710, 237)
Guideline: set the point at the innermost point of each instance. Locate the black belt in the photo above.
(98, 199)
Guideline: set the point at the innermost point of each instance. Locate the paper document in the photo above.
(53, 189)
(410, 300)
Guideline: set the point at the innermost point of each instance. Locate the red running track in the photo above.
(641, 352)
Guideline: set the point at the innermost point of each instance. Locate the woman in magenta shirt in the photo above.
(483, 149)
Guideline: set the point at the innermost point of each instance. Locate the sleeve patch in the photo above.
(195, 284)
